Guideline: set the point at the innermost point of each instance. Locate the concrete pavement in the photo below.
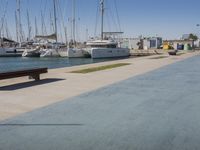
(156, 111)
(18, 96)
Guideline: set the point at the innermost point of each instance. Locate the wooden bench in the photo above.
(32, 73)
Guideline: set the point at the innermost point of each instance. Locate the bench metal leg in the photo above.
(36, 77)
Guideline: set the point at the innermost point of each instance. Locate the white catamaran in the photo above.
(105, 48)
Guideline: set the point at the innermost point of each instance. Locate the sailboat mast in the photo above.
(55, 19)
(29, 26)
(19, 21)
(17, 31)
(66, 35)
(7, 31)
(36, 28)
(102, 17)
(42, 21)
(74, 22)
(3, 20)
(51, 23)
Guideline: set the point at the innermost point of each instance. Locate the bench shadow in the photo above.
(28, 84)
(29, 125)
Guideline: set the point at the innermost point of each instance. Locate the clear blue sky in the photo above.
(167, 18)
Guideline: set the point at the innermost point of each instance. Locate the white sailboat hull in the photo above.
(76, 53)
(109, 52)
(9, 52)
(63, 52)
(31, 53)
(49, 53)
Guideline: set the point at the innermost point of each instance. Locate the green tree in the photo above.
(193, 37)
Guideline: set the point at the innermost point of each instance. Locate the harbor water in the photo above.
(18, 63)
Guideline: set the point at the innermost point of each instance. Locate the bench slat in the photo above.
(21, 73)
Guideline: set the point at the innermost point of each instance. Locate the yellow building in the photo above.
(166, 45)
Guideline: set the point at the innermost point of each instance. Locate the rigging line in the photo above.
(117, 13)
(45, 28)
(59, 12)
(39, 14)
(51, 24)
(112, 16)
(43, 24)
(44, 16)
(65, 20)
(7, 31)
(4, 16)
(65, 10)
(1, 6)
(20, 20)
(108, 22)
(107, 16)
(97, 18)
(77, 30)
(62, 18)
(28, 19)
(45, 9)
(77, 25)
(40, 7)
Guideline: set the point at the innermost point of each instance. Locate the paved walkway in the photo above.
(155, 111)
(20, 95)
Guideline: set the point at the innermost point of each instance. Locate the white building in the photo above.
(131, 43)
(142, 43)
(152, 43)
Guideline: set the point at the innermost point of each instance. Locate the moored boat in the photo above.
(9, 52)
(31, 52)
(106, 49)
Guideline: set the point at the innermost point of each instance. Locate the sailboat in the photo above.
(105, 48)
(74, 51)
(41, 47)
(7, 45)
(54, 49)
(7, 48)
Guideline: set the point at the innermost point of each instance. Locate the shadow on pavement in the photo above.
(26, 125)
(28, 84)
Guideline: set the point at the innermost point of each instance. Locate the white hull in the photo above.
(49, 53)
(63, 52)
(109, 52)
(31, 53)
(9, 52)
(76, 53)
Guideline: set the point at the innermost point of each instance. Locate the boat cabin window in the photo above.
(104, 46)
(112, 46)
